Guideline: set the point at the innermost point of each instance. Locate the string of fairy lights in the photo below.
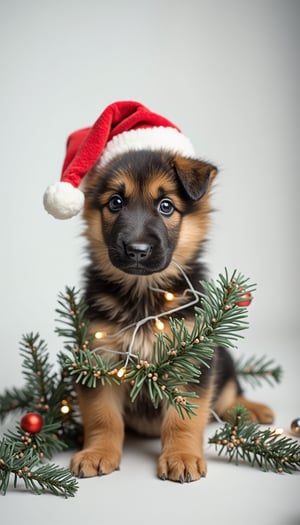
(157, 319)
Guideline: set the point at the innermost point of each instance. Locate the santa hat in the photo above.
(123, 126)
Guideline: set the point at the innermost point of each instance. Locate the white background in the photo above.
(227, 73)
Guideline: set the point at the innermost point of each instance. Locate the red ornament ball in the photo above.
(247, 301)
(32, 423)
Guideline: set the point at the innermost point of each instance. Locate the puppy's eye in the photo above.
(165, 207)
(115, 203)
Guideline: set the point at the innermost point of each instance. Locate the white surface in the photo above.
(227, 73)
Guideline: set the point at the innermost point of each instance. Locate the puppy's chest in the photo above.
(117, 341)
(133, 326)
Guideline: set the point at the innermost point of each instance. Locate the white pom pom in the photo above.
(62, 200)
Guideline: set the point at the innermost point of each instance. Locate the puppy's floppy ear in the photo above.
(194, 175)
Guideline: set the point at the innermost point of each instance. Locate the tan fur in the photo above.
(103, 432)
(181, 458)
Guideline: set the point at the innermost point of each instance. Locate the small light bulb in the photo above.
(65, 408)
(99, 334)
(169, 296)
(277, 431)
(121, 372)
(159, 324)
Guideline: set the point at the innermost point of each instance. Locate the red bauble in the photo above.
(248, 299)
(32, 423)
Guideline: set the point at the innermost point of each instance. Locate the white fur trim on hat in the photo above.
(63, 201)
(155, 138)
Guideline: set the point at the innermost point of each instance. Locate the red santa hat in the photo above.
(123, 126)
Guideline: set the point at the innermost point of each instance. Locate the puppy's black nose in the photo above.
(138, 251)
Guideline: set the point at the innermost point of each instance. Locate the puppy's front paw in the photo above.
(181, 467)
(95, 462)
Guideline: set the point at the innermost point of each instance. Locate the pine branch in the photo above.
(177, 360)
(242, 440)
(39, 381)
(89, 368)
(175, 363)
(21, 452)
(56, 480)
(72, 315)
(257, 370)
(223, 318)
(36, 369)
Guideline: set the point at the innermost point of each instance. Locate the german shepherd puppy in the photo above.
(144, 211)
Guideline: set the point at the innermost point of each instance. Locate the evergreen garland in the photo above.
(177, 361)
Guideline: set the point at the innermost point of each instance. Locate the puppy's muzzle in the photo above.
(138, 243)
